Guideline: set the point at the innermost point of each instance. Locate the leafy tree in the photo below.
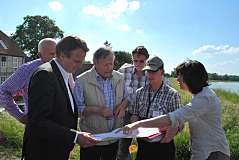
(213, 76)
(225, 77)
(33, 29)
(87, 62)
(173, 73)
(121, 57)
(167, 75)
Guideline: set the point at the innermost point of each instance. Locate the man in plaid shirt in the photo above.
(150, 101)
(19, 80)
(134, 79)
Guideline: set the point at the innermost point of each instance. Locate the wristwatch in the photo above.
(178, 130)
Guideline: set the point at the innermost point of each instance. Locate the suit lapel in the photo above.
(75, 105)
(62, 82)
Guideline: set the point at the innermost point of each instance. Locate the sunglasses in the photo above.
(141, 61)
(187, 63)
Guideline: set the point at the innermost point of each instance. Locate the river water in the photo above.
(228, 86)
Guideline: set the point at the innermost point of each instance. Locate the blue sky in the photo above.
(203, 30)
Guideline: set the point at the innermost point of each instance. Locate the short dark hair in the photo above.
(141, 50)
(194, 75)
(102, 51)
(69, 44)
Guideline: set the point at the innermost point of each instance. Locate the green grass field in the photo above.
(230, 121)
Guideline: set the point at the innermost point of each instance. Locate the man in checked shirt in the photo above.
(19, 80)
(149, 100)
(134, 79)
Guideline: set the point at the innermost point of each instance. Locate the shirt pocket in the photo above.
(142, 106)
(127, 83)
(160, 106)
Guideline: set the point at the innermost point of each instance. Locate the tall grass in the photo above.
(14, 133)
(230, 121)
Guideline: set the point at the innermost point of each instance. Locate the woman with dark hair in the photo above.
(203, 113)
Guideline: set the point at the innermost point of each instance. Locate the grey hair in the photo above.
(41, 43)
(102, 51)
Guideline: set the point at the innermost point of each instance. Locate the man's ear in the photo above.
(94, 62)
(162, 73)
(39, 54)
(62, 56)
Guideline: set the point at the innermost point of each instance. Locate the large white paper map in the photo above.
(141, 132)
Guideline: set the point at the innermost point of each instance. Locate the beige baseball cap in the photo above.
(153, 64)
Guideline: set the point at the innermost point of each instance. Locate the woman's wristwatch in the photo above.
(178, 130)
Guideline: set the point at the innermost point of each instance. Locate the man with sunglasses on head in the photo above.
(134, 78)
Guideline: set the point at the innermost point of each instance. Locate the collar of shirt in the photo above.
(41, 61)
(134, 71)
(99, 76)
(162, 89)
(63, 72)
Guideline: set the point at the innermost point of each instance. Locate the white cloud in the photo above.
(139, 31)
(109, 21)
(237, 59)
(94, 10)
(55, 6)
(208, 57)
(134, 5)
(211, 50)
(118, 6)
(226, 63)
(124, 27)
(233, 50)
(113, 15)
(113, 10)
(8, 33)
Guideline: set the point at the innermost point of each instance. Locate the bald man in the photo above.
(19, 80)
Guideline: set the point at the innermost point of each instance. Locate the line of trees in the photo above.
(211, 76)
(226, 77)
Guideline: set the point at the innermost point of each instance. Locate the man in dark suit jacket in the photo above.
(51, 129)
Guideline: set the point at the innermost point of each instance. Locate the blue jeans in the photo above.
(124, 143)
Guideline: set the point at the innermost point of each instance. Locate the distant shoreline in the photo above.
(222, 81)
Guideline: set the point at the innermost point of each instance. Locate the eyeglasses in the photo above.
(187, 63)
(141, 61)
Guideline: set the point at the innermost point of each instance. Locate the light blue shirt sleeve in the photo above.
(126, 93)
(76, 137)
(79, 98)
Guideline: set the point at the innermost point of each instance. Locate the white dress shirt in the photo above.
(65, 76)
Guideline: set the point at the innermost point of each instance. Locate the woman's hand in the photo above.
(128, 129)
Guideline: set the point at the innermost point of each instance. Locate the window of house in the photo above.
(3, 44)
(3, 62)
(3, 78)
(15, 62)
